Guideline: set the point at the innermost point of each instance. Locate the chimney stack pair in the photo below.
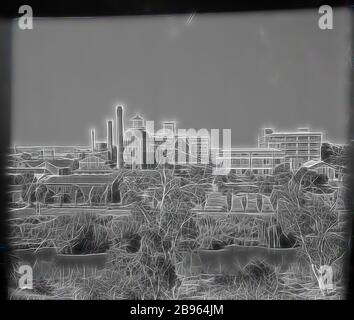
(119, 138)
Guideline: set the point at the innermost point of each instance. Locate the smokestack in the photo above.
(110, 138)
(119, 127)
(93, 142)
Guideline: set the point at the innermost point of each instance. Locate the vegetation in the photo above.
(146, 250)
(337, 155)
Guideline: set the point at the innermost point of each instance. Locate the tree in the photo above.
(49, 196)
(315, 227)
(41, 191)
(282, 168)
(335, 154)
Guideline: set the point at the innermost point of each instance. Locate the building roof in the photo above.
(311, 164)
(294, 132)
(137, 117)
(102, 179)
(308, 165)
(33, 163)
(255, 149)
(59, 162)
(35, 169)
(15, 156)
(92, 158)
(63, 149)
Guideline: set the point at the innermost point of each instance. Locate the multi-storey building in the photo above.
(299, 146)
(135, 143)
(255, 160)
(196, 148)
(169, 125)
(188, 146)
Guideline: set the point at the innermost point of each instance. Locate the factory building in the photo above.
(93, 189)
(135, 143)
(93, 164)
(132, 146)
(108, 150)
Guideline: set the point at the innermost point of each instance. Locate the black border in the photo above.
(232, 309)
(79, 8)
(350, 131)
(46, 8)
(5, 110)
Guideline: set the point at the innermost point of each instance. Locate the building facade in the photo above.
(98, 189)
(141, 147)
(253, 160)
(300, 146)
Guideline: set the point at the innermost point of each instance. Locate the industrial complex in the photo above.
(91, 175)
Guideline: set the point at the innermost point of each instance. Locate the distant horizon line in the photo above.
(89, 146)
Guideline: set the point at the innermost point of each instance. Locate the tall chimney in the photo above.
(110, 138)
(119, 127)
(93, 142)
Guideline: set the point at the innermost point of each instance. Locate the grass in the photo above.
(257, 281)
(83, 233)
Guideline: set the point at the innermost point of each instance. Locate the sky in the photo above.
(241, 71)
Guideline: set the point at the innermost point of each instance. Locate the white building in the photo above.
(255, 160)
(299, 146)
(169, 125)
